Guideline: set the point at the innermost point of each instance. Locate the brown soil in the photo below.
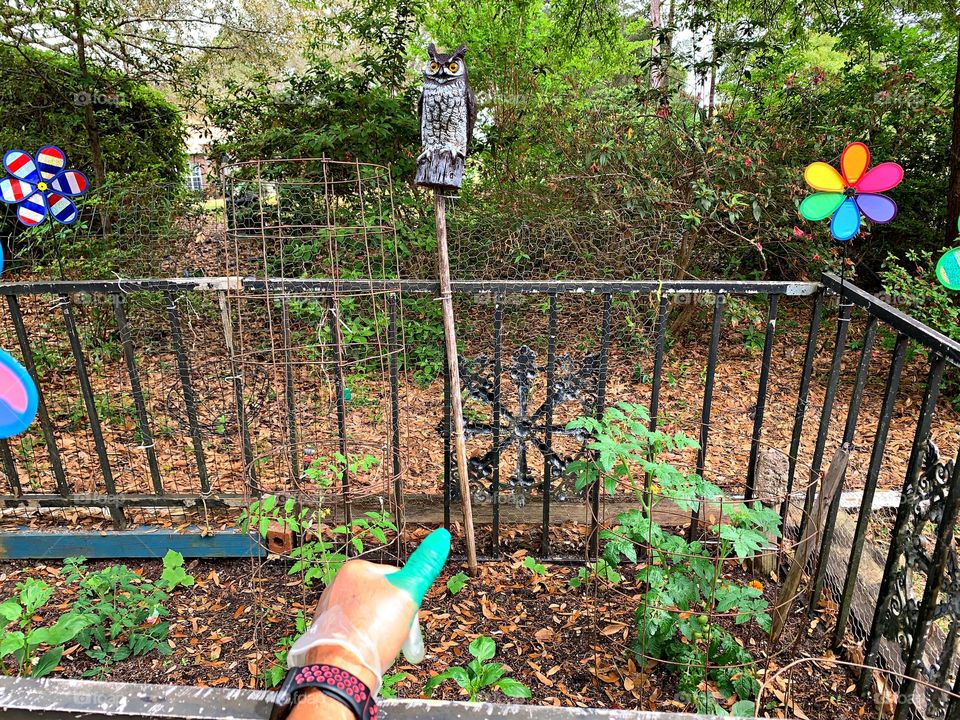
(570, 647)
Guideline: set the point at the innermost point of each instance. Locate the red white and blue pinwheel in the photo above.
(855, 189)
(41, 185)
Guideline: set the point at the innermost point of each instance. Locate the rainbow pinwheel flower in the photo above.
(41, 186)
(856, 191)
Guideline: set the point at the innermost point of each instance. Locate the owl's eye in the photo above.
(434, 66)
(453, 67)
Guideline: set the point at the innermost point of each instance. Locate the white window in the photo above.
(195, 179)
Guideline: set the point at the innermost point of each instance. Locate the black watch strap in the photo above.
(332, 682)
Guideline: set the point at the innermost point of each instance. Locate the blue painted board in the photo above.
(140, 542)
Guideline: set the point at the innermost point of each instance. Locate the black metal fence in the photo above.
(517, 421)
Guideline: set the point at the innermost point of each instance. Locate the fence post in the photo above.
(395, 408)
(843, 323)
(594, 539)
(189, 399)
(143, 423)
(707, 403)
(761, 395)
(853, 412)
(116, 512)
(886, 590)
(548, 425)
(495, 421)
(250, 470)
(50, 439)
(333, 309)
(801, 410)
(870, 486)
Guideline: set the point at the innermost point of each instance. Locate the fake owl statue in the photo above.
(448, 110)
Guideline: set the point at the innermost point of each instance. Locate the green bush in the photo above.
(21, 638)
(142, 141)
(126, 610)
(688, 588)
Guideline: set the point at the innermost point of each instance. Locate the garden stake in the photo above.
(453, 367)
(448, 110)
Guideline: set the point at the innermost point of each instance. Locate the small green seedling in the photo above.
(20, 640)
(455, 584)
(479, 674)
(531, 564)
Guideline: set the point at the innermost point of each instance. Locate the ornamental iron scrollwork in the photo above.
(523, 425)
(926, 498)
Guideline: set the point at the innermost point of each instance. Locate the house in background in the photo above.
(198, 141)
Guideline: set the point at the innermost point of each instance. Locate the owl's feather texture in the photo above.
(447, 107)
(448, 111)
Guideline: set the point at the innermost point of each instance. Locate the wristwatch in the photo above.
(332, 682)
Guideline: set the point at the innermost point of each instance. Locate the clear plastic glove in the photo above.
(369, 612)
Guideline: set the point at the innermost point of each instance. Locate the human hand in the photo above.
(369, 612)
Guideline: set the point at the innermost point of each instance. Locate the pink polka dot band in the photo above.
(333, 682)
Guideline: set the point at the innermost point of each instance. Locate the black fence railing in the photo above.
(197, 374)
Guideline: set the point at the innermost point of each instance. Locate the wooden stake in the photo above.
(453, 367)
(829, 487)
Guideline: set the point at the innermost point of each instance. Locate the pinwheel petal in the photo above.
(21, 166)
(877, 208)
(13, 190)
(948, 269)
(846, 221)
(854, 162)
(820, 205)
(51, 161)
(62, 209)
(71, 183)
(823, 177)
(18, 397)
(882, 177)
(33, 210)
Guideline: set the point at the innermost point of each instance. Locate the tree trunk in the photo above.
(657, 74)
(89, 119)
(712, 93)
(953, 189)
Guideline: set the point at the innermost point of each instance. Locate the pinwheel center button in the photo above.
(41, 186)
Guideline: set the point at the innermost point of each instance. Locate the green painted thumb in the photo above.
(424, 566)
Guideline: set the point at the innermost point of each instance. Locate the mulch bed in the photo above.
(569, 646)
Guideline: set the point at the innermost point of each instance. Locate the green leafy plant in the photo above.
(125, 610)
(273, 674)
(387, 689)
(688, 588)
(602, 569)
(531, 564)
(20, 639)
(622, 445)
(456, 582)
(480, 674)
(322, 551)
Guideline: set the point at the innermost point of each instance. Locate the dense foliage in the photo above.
(42, 101)
(574, 143)
(45, 99)
(695, 597)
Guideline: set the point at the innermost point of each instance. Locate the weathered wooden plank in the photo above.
(143, 542)
(149, 541)
(52, 699)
